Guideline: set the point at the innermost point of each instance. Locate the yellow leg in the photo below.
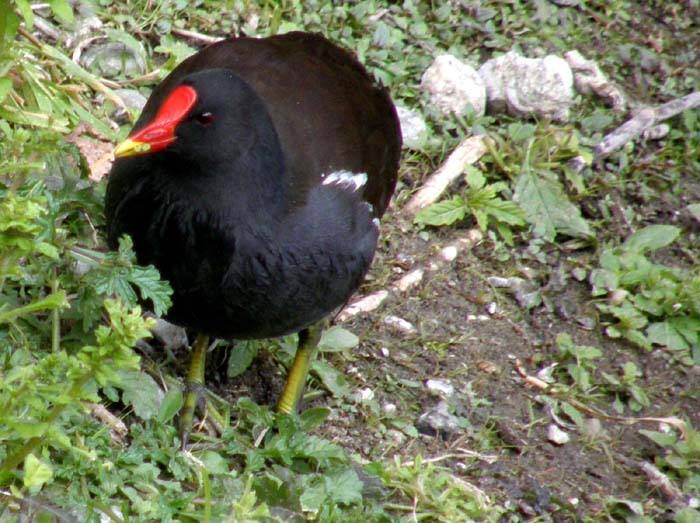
(193, 386)
(296, 379)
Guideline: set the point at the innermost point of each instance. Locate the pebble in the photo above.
(449, 253)
(441, 387)
(389, 409)
(438, 422)
(454, 86)
(414, 130)
(556, 435)
(524, 87)
(363, 395)
(399, 324)
(171, 336)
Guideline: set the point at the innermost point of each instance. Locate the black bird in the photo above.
(254, 180)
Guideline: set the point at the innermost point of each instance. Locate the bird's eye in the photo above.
(205, 118)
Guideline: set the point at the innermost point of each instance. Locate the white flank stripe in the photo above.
(347, 179)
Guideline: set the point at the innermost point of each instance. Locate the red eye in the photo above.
(205, 118)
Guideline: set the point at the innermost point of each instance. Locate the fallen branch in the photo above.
(644, 120)
(466, 153)
(412, 278)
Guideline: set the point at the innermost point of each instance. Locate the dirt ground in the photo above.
(474, 336)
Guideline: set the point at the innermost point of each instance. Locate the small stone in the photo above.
(527, 293)
(389, 409)
(171, 336)
(441, 387)
(410, 280)
(414, 130)
(132, 99)
(399, 324)
(449, 253)
(113, 59)
(540, 87)
(454, 86)
(556, 435)
(363, 395)
(385, 352)
(438, 422)
(492, 308)
(396, 437)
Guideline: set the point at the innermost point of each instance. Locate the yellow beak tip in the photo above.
(130, 147)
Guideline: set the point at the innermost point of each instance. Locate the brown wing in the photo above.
(329, 113)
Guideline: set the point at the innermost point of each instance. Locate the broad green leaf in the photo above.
(660, 438)
(651, 238)
(313, 496)
(62, 9)
(36, 473)
(5, 86)
(665, 334)
(573, 413)
(214, 462)
(687, 514)
(56, 300)
(241, 356)
(482, 219)
(338, 339)
(446, 212)
(688, 327)
(521, 131)
(26, 11)
(171, 405)
(332, 379)
(547, 207)
(693, 208)
(506, 211)
(30, 430)
(344, 487)
(312, 418)
(475, 178)
(141, 392)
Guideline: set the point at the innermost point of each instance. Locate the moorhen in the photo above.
(254, 180)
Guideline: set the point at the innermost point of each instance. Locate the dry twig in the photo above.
(466, 153)
(644, 120)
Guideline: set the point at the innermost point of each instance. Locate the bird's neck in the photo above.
(251, 187)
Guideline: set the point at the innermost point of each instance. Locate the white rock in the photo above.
(541, 87)
(400, 324)
(414, 131)
(449, 253)
(363, 395)
(454, 85)
(170, 335)
(442, 387)
(389, 409)
(556, 435)
(410, 280)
